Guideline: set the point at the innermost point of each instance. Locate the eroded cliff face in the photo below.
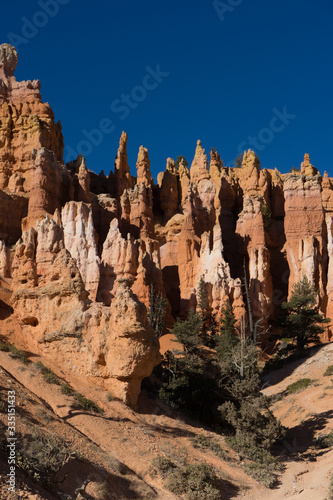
(80, 251)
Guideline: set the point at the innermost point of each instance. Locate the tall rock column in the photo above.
(305, 231)
(122, 173)
(79, 238)
(26, 123)
(250, 227)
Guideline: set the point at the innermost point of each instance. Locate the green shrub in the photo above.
(42, 455)
(86, 404)
(49, 376)
(195, 481)
(329, 371)
(109, 397)
(267, 216)
(325, 441)
(66, 389)
(203, 442)
(4, 347)
(164, 465)
(14, 352)
(261, 472)
(298, 386)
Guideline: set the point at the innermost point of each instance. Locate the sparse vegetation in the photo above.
(14, 352)
(109, 397)
(196, 482)
(238, 161)
(47, 417)
(49, 376)
(262, 472)
(266, 215)
(329, 371)
(86, 404)
(42, 455)
(180, 159)
(164, 465)
(203, 442)
(299, 385)
(325, 441)
(294, 170)
(66, 389)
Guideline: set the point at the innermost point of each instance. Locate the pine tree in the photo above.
(188, 332)
(207, 320)
(227, 338)
(156, 311)
(179, 160)
(302, 321)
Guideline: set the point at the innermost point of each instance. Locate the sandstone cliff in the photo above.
(80, 251)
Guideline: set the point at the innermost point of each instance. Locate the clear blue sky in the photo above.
(223, 75)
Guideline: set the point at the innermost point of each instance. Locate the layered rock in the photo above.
(143, 167)
(122, 173)
(137, 261)
(250, 228)
(198, 170)
(79, 240)
(305, 231)
(26, 123)
(306, 167)
(132, 348)
(50, 187)
(184, 180)
(115, 347)
(81, 179)
(89, 247)
(4, 260)
(169, 195)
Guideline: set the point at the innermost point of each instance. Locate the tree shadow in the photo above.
(227, 489)
(276, 376)
(300, 438)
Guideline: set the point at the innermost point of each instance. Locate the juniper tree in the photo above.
(302, 322)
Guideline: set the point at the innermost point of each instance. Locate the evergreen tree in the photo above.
(302, 321)
(191, 377)
(188, 332)
(227, 338)
(156, 311)
(253, 426)
(179, 159)
(207, 320)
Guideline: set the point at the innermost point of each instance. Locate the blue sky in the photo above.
(230, 73)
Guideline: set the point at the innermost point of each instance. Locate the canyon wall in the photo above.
(79, 251)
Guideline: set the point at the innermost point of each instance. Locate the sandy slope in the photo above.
(123, 442)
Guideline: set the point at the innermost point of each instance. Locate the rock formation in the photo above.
(122, 171)
(79, 251)
(26, 123)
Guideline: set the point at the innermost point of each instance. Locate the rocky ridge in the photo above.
(79, 251)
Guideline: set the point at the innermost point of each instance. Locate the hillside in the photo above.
(80, 254)
(115, 449)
